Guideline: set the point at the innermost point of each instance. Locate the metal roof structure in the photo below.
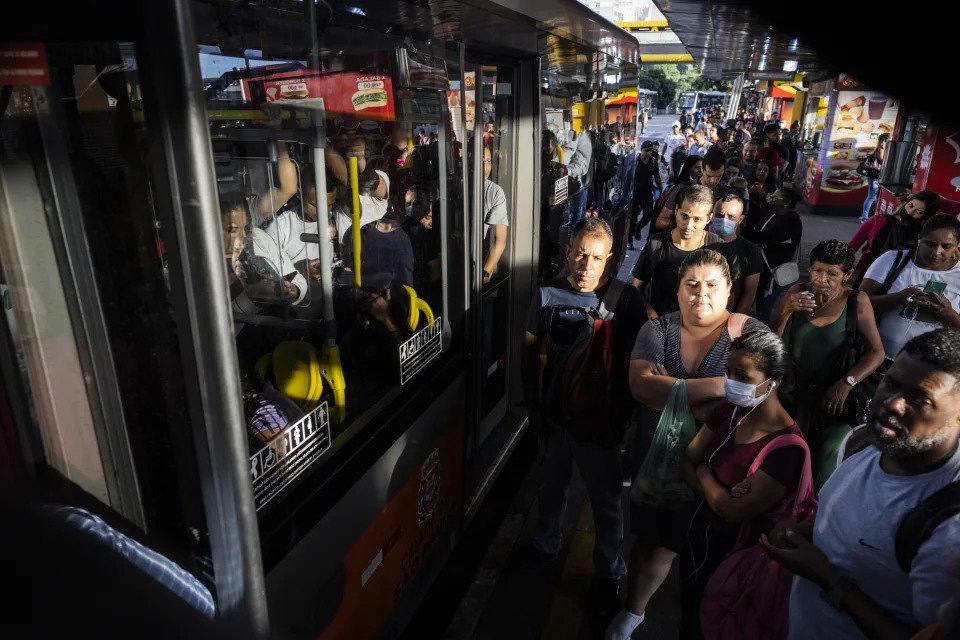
(730, 37)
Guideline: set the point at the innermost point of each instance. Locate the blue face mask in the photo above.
(724, 227)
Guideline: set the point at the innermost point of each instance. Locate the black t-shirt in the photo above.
(644, 175)
(744, 259)
(659, 265)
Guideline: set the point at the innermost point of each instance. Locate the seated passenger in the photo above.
(385, 251)
(267, 410)
(260, 266)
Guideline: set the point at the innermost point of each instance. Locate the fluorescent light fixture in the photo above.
(789, 65)
(762, 66)
(794, 44)
(356, 10)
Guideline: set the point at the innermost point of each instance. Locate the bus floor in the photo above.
(484, 593)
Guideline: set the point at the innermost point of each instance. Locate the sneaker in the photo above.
(630, 244)
(604, 599)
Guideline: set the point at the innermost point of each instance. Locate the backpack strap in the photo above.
(856, 441)
(899, 264)
(735, 324)
(611, 299)
(921, 521)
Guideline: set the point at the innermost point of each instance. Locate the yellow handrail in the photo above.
(355, 189)
(418, 305)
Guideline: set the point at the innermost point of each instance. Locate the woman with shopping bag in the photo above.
(681, 353)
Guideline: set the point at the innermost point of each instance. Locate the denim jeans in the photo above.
(602, 474)
(576, 208)
(873, 190)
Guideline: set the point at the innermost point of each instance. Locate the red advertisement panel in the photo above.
(23, 63)
(368, 96)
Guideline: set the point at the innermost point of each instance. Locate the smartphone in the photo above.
(936, 287)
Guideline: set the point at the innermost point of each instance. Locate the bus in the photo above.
(208, 354)
(692, 100)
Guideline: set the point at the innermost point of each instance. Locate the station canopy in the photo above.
(726, 38)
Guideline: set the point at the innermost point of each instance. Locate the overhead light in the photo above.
(794, 44)
(762, 66)
(789, 65)
(356, 10)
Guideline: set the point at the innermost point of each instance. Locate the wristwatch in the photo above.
(850, 380)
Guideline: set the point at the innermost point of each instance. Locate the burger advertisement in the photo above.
(857, 120)
(369, 96)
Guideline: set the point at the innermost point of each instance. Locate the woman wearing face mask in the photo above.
(894, 231)
(763, 185)
(690, 344)
(817, 314)
(923, 287)
(718, 459)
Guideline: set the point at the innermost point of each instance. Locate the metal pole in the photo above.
(188, 205)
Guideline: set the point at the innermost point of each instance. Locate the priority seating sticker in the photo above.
(420, 349)
(289, 454)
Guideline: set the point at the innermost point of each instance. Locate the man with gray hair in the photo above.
(873, 561)
(579, 406)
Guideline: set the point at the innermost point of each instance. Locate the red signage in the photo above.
(939, 166)
(368, 96)
(23, 63)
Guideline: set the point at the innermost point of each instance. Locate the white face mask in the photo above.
(744, 394)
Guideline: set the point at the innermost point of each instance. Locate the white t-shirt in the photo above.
(898, 325)
(671, 142)
(494, 210)
(286, 229)
(861, 507)
(269, 249)
(371, 209)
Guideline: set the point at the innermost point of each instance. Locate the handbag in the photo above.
(857, 406)
(748, 596)
(658, 483)
(787, 273)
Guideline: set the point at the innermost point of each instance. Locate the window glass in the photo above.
(87, 308)
(338, 190)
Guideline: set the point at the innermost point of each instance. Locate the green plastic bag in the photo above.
(658, 482)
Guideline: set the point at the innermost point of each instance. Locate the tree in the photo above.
(654, 77)
(703, 83)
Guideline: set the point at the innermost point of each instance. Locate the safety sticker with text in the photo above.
(418, 351)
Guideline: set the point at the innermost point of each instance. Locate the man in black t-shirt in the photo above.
(659, 262)
(714, 167)
(646, 179)
(746, 263)
(556, 319)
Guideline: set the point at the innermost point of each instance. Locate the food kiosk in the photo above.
(856, 116)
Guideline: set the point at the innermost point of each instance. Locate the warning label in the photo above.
(23, 63)
(289, 454)
(417, 352)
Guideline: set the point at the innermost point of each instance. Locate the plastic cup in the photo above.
(876, 107)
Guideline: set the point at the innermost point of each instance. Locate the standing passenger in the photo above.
(578, 426)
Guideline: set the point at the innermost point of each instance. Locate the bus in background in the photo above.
(691, 100)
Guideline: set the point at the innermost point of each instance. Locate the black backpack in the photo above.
(577, 390)
(604, 162)
(921, 521)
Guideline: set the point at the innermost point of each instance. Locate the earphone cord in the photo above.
(706, 532)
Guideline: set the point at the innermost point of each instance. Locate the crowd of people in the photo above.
(736, 393)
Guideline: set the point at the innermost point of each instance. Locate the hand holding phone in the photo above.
(936, 287)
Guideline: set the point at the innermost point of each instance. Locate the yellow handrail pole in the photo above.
(355, 190)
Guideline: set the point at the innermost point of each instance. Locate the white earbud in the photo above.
(773, 385)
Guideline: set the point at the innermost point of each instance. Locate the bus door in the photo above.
(491, 116)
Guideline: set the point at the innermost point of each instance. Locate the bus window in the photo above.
(337, 192)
